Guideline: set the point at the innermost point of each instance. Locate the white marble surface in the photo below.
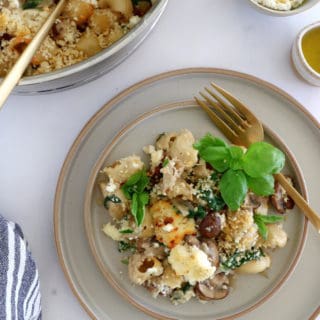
(36, 132)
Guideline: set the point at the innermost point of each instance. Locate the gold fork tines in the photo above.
(231, 116)
(242, 127)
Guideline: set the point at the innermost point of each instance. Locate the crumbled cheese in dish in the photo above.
(282, 5)
(191, 262)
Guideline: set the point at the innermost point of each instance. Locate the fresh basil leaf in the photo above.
(113, 198)
(143, 182)
(209, 141)
(262, 220)
(262, 159)
(263, 186)
(233, 188)
(269, 218)
(236, 154)
(165, 162)
(134, 179)
(135, 206)
(262, 228)
(140, 214)
(126, 231)
(218, 157)
(143, 198)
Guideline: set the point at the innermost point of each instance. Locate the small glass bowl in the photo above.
(299, 61)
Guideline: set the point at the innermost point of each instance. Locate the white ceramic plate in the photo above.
(297, 299)
(250, 291)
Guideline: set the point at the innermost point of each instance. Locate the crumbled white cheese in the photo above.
(191, 262)
(282, 5)
(168, 227)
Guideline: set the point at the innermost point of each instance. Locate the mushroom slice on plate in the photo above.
(280, 199)
(213, 289)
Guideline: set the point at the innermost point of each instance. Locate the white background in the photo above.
(36, 132)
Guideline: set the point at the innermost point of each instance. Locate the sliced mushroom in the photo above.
(257, 203)
(210, 226)
(210, 248)
(280, 199)
(213, 289)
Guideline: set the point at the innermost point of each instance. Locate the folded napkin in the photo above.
(19, 282)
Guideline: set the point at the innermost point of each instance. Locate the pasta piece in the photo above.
(123, 169)
(89, 44)
(142, 268)
(182, 149)
(255, 266)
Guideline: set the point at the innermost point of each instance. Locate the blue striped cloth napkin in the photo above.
(19, 282)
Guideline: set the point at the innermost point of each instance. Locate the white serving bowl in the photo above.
(299, 61)
(307, 4)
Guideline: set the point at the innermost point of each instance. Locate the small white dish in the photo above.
(307, 4)
(299, 61)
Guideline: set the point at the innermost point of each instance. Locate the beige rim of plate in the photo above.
(88, 214)
(119, 97)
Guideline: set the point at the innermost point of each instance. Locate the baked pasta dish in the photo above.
(199, 213)
(84, 28)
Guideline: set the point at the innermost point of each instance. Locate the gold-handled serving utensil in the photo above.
(21, 64)
(242, 127)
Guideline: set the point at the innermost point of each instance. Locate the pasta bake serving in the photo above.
(84, 28)
(200, 213)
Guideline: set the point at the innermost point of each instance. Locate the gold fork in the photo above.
(242, 127)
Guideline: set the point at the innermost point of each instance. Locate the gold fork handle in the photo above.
(299, 201)
(20, 66)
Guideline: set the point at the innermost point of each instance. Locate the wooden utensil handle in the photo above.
(300, 202)
(21, 64)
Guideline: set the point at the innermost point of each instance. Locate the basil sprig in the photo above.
(134, 190)
(241, 170)
(262, 220)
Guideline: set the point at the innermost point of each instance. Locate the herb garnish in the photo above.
(31, 4)
(214, 201)
(126, 246)
(134, 190)
(241, 170)
(113, 198)
(261, 220)
(125, 261)
(126, 231)
(165, 162)
(238, 258)
(198, 212)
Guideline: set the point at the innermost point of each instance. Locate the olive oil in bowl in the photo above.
(311, 48)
